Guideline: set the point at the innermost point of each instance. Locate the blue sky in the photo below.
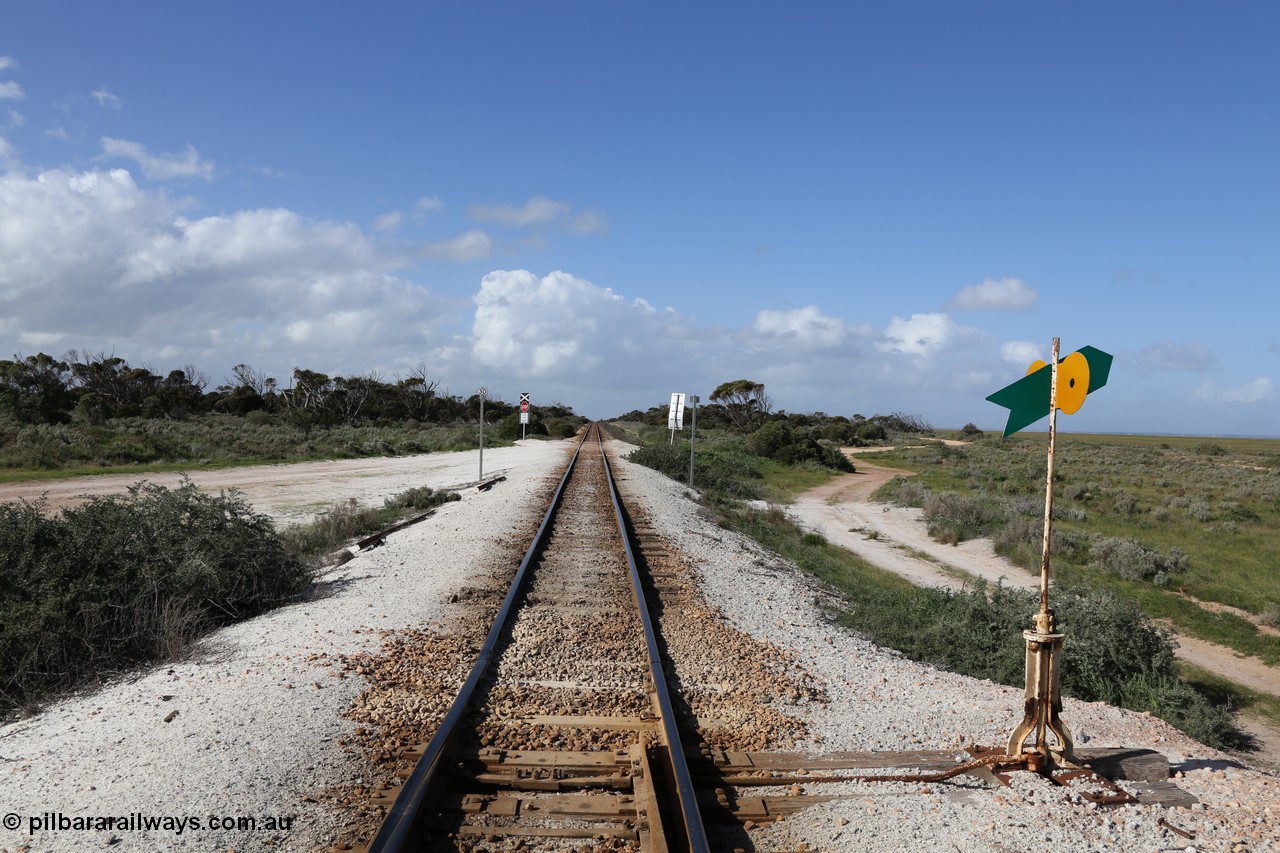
(869, 207)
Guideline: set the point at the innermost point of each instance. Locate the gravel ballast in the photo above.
(881, 701)
(250, 727)
(260, 709)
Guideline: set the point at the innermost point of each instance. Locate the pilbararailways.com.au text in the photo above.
(140, 822)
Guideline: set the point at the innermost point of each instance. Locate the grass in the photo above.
(138, 445)
(1216, 501)
(1227, 693)
(1118, 654)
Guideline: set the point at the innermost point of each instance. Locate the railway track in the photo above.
(564, 735)
(555, 741)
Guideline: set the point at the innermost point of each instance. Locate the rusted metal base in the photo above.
(1042, 708)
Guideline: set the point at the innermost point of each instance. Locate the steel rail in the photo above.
(397, 826)
(690, 816)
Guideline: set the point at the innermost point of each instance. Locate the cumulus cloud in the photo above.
(106, 99)
(804, 327)
(7, 62)
(1190, 357)
(90, 259)
(540, 211)
(535, 327)
(1260, 390)
(160, 167)
(1022, 353)
(11, 91)
(922, 334)
(1004, 294)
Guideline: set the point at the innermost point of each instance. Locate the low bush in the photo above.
(953, 518)
(126, 579)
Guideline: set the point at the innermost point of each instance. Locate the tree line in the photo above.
(96, 387)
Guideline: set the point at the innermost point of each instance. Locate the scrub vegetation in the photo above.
(124, 580)
(1118, 654)
(1165, 523)
(92, 413)
(120, 581)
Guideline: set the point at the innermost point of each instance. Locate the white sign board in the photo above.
(675, 418)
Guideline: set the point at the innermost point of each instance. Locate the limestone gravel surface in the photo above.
(877, 700)
(254, 726)
(268, 713)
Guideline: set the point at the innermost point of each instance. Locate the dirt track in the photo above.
(894, 538)
(288, 493)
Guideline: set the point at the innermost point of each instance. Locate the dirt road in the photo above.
(894, 538)
(294, 492)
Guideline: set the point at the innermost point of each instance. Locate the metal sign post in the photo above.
(1061, 384)
(1043, 706)
(524, 412)
(481, 392)
(693, 434)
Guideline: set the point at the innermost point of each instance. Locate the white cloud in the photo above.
(388, 221)
(11, 92)
(1005, 294)
(588, 222)
(106, 99)
(534, 327)
(91, 260)
(7, 62)
(161, 167)
(540, 211)
(468, 246)
(1191, 357)
(922, 334)
(426, 205)
(536, 211)
(1260, 390)
(804, 327)
(16, 119)
(1022, 353)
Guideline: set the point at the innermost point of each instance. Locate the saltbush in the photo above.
(126, 579)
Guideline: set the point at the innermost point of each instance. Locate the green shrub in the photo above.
(422, 497)
(792, 445)
(953, 518)
(125, 579)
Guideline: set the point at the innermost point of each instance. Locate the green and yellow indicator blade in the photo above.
(1081, 373)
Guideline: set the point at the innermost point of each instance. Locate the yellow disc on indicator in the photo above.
(1073, 382)
(1036, 365)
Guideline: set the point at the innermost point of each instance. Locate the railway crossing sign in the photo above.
(524, 407)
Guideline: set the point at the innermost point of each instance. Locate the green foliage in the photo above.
(214, 440)
(125, 579)
(954, 518)
(727, 471)
(333, 528)
(422, 497)
(744, 402)
(780, 441)
(1141, 517)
